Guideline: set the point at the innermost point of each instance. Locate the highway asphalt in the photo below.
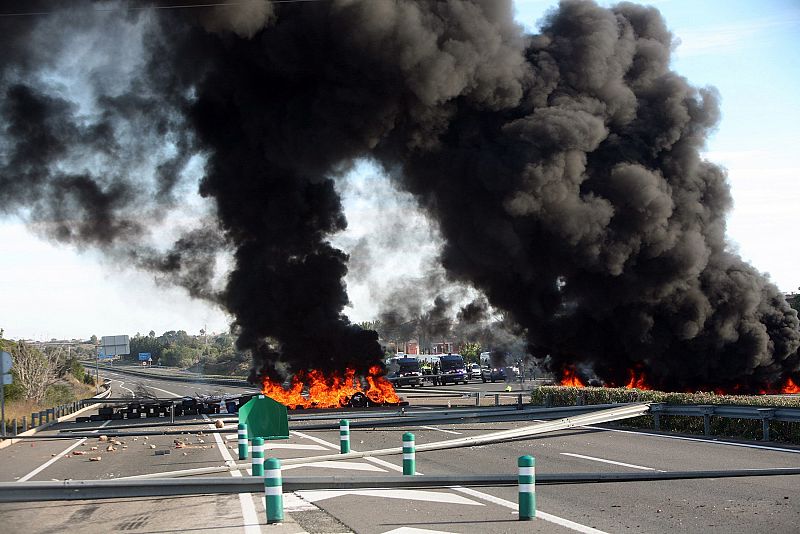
(717, 505)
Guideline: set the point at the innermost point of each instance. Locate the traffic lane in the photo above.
(378, 510)
(591, 449)
(20, 459)
(180, 387)
(207, 513)
(715, 505)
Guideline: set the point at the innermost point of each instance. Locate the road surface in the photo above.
(718, 505)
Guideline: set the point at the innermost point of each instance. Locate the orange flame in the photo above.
(332, 391)
(636, 382)
(571, 379)
(790, 387)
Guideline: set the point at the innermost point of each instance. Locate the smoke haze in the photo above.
(562, 169)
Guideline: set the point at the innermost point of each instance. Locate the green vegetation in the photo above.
(210, 354)
(735, 428)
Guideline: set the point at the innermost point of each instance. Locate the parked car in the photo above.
(475, 371)
(492, 374)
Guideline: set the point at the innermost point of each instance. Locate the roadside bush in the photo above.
(58, 394)
(749, 429)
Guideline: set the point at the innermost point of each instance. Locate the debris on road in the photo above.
(95, 458)
(218, 423)
(103, 438)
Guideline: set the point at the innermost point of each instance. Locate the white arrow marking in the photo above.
(416, 495)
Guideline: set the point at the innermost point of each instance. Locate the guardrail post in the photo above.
(548, 400)
(24, 424)
(409, 454)
(42, 420)
(14, 424)
(273, 491)
(655, 410)
(258, 457)
(243, 441)
(33, 419)
(344, 436)
(497, 399)
(527, 487)
(477, 398)
(519, 401)
(707, 411)
(766, 414)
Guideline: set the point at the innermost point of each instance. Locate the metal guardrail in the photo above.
(164, 487)
(707, 411)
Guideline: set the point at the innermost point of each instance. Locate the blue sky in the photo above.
(748, 50)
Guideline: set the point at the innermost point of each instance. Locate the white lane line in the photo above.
(315, 440)
(441, 430)
(594, 459)
(384, 463)
(53, 460)
(123, 387)
(251, 523)
(572, 525)
(701, 440)
(165, 391)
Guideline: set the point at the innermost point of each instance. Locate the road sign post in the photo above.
(5, 378)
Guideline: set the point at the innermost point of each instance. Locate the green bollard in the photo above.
(527, 488)
(344, 436)
(409, 452)
(273, 490)
(242, 441)
(258, 457)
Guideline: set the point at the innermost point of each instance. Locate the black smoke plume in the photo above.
(563, 169)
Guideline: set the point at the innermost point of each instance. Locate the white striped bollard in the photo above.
(258, 457)
(409, 453)
(273, 490)
(243, 441)
(344, 436)
(527, 488)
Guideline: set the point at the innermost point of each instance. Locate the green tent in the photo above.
(265, 418)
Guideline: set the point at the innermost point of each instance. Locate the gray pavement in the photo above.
(722, 505)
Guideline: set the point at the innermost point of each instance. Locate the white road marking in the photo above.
(165, 391)
(251, 523)
(415, 495)
(54, 459)
(411, 530)
(572, 525)
(441, 430)
(384, 463)
(594, 459)
(315, 439)
(353, 466)
(123, 387)
(293, 503)
(701, 440)
(294, 446)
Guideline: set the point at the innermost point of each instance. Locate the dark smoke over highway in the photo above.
(563, 170)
